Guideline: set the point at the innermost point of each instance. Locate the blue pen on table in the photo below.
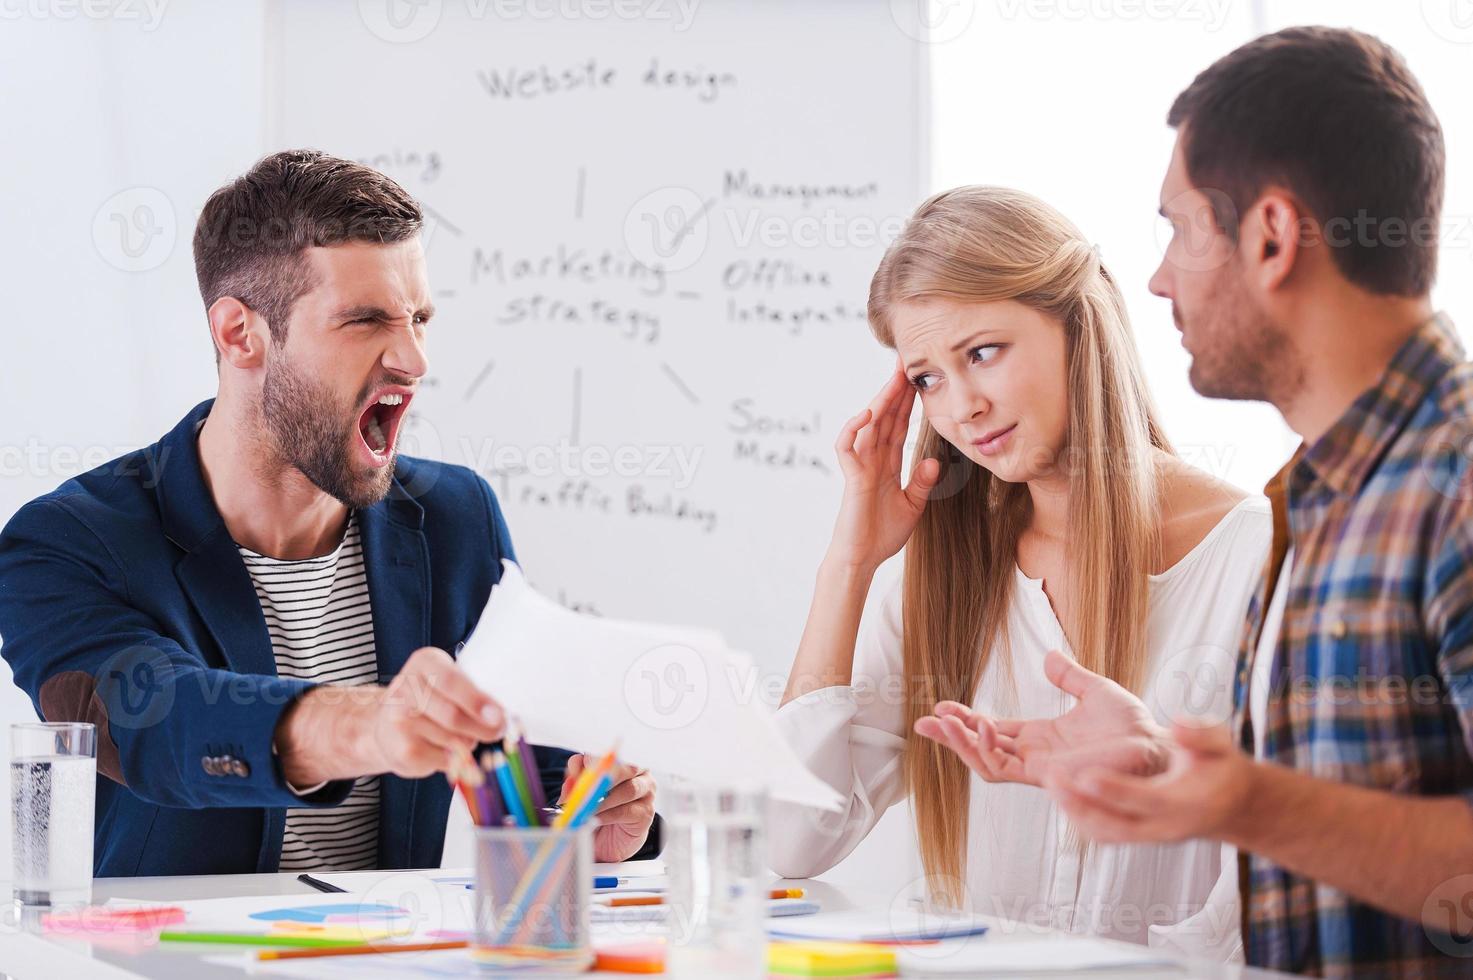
(599, 881)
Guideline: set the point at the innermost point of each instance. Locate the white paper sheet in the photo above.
(1044, 956)
(409, 904)
(677, 700)
(892, 925)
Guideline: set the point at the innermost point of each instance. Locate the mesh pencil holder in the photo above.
(533, 886)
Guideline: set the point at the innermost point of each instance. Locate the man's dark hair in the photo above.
(252, 232)
(1337, 119)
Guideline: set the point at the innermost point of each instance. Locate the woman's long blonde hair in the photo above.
(982, 244)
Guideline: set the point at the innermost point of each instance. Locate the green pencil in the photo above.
(518, 776)
(252, 939)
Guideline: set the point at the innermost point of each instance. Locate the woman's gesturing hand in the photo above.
(878, 513)
(1107, 728)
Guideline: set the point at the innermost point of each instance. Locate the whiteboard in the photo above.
(650, 242)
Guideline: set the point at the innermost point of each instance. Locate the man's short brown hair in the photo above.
(1336, 118)
(252, 232)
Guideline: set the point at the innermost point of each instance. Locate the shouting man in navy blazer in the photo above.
(259, 612)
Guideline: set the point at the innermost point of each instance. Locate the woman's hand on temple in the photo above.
(878, 513)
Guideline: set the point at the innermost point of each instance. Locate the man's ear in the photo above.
(1272, 239)
(240, 335)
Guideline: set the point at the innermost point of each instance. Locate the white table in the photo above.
(25, 956)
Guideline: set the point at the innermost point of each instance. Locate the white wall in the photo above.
(96, 108)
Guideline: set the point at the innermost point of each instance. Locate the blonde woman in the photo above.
(1045, 511)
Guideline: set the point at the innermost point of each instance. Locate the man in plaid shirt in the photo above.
(1305, 193)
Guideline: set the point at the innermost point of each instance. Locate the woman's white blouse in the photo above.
(1022, 863)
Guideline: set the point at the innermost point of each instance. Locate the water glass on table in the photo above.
(53, 782)
(715, 853)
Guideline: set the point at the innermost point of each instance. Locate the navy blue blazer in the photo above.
(124, 602)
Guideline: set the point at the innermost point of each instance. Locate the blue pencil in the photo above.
(529, 769)
(494, 813)
(509, 794)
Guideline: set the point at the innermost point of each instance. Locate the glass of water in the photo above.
(715, 855)
(53, 781)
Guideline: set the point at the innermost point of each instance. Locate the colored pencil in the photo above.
(493, 814)
(509, 794)
(519, 776)
(587, 779)
(253, 939)
(529, 766)
(618, 902)
(360, 949)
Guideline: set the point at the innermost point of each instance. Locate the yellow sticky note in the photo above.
(347, 931)
(830, 959)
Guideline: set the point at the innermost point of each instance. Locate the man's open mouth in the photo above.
(379, 423)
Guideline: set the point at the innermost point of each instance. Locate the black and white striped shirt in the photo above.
(317, 612)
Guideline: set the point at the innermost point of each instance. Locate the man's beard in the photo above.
(1241, 354)
(312, 433)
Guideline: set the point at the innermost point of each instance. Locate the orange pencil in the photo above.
(463, 777)
(624, 902)
(300, 954)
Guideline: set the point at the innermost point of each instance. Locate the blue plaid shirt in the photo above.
(1372, 673)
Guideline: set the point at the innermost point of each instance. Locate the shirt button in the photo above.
(1339, 630)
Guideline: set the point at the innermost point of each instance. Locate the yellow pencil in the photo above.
(583, 786)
